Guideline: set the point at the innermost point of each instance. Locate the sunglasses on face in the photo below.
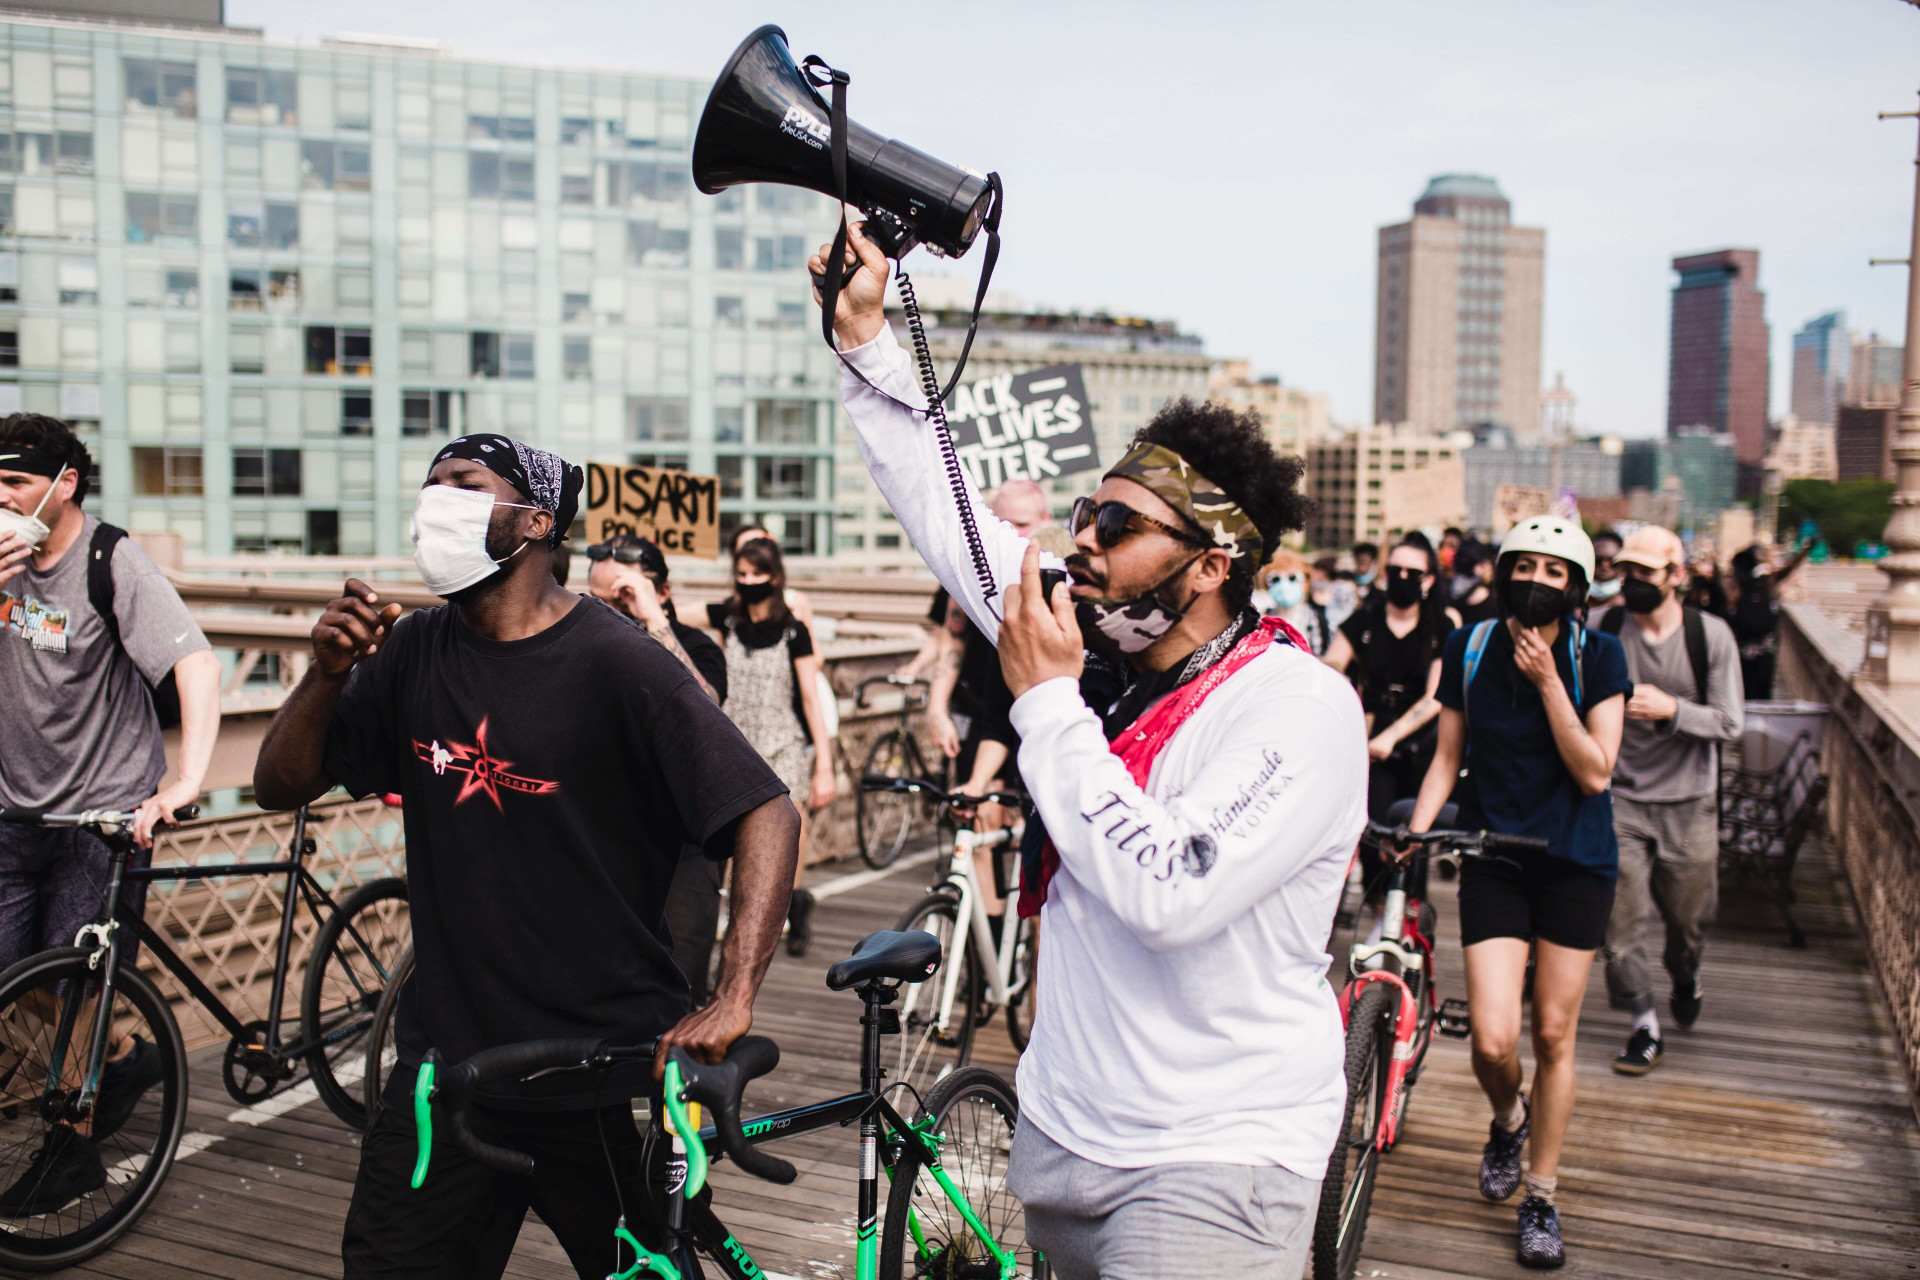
(1401, 571)
(620, 555)
(1114, 522)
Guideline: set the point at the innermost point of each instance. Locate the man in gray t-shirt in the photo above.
(1666, 784)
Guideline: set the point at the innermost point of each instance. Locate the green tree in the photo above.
(1845, 511)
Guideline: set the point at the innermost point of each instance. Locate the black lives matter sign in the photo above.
(1023, 426)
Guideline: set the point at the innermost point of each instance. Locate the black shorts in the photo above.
(1543, 897)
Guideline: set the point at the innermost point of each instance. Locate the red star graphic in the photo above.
(486, 773)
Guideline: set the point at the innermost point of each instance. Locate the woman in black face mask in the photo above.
(773, 696)
(1390, 649)
(1534, 705)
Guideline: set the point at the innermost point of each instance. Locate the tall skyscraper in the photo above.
(1457, 317)
(267, 281)
(1717, 363)
(1822, 367)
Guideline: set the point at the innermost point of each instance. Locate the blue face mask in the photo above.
(1364, 579)
(1287, 589)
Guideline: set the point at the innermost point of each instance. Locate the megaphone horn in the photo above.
(765, 122)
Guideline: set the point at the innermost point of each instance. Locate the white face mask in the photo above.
(31, 528)
(449, 532)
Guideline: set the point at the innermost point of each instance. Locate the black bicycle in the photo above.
(885, 821)
(948, 1214)
(90, 1049)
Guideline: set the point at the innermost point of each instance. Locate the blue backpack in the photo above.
(1477, 649)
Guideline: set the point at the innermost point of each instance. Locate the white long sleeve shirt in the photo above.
(1184, 1011)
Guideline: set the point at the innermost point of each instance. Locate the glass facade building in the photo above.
(267, 282)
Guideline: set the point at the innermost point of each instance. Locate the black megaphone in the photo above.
(765, 122)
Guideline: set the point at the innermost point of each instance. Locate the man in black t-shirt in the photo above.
(555, 761)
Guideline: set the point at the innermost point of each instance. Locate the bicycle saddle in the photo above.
(1401, 810)
(910, 957)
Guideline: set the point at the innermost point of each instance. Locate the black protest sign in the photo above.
(679, 511)
(1023, 426)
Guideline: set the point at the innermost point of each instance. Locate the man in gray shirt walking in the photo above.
(1686, 700)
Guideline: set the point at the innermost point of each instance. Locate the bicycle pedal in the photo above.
(1455, 1020)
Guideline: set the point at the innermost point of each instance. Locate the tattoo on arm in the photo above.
(678, 650)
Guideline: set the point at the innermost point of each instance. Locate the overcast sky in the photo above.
(1226, 165)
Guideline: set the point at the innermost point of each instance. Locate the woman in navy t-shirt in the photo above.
(1532, 704)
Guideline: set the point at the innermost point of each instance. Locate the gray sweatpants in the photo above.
(1095, 1222)
(1670, 862)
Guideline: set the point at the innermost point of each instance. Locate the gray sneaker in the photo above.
(1500, 1160)
(1540, 1243)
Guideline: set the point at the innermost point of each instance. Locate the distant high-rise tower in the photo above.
(1457, 318)
(1822, 367)
(1717, 363)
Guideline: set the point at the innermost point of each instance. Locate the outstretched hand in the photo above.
(860, 313)
(1039, 640)
(352, 628)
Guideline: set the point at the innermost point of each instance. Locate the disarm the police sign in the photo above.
(1023, 426)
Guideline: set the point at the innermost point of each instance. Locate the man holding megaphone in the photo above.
(1184, 1081)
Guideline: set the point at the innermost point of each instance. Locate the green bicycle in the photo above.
(949, 1215)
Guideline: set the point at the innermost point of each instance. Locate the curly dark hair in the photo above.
(42, 434)
(1230, 448)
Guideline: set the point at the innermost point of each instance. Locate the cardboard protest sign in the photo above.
(1023, 426)
(678, 510)
(1513, 503)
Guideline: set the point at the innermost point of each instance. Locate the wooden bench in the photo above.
(1765, 818)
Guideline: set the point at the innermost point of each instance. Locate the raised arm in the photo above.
(290, 770)
(902, 450)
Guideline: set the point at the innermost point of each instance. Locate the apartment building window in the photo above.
(353, 104)
(576, 188)
(163, 87)
(643, 182)
(659, 461)
(166, 472)
(246, 349)
(323, 533)
(273, 473)
(729, 248)
(732, 478)
(253, 224)
(651, 245)
(729, 424)
(335, 166)
(575, 306)
(153, 218)
(6, 212)
(251, 289)
(516, 356)
(333, 350)
(356, 412)
(576, 131)
(79, 280)
(730, 313)
(259, 96)
(778, 199)
(790, 478)
(500, 128)
(427, 413)
(782, 253)
(492, 176)
(576, 355)
(790, 315)
(486, 355)
(182, 290)
(657, 418)
(9, 348)
(783, 422)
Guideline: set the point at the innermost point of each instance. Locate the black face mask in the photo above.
(753, 592)
(1640, 596)
(1403, 589)
(1535, 604)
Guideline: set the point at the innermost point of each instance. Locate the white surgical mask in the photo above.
(449, 533)
(30, 528)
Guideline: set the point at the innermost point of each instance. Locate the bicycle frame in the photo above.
(1403, 944)
(117, 916)
(971, 916)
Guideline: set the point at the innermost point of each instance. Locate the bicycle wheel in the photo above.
(382, 1051)
(926, 1053)
(884, 821)
(974, 1112)
(350, 965)
(1347, 1192)
(1023, 988)
(140, 1111)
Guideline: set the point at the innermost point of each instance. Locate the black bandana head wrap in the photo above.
(547, 480)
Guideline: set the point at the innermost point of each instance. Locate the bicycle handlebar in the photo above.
(1470, 844)
(915, 786)
(107, 818)
(717, 1086)
(860, 692)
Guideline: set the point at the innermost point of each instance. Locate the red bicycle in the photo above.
(1392, 1007)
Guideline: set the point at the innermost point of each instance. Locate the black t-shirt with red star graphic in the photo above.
(550, 786)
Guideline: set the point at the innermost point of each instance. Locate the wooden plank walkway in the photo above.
(1778, 1139)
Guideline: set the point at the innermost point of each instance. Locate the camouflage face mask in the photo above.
(1195, 497)
(1116, 629)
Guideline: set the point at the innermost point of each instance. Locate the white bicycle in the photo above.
(990, 966)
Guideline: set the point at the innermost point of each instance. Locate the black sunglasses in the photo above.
(607, 551)
(1113, 523)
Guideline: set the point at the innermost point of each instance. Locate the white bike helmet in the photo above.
(1551, 536)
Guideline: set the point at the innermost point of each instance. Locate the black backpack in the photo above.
(106, 538)
(1696, 632)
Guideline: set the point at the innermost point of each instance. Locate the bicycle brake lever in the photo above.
(423, 1119)
(686, 1130)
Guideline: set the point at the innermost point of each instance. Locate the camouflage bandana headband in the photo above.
(1194, 496)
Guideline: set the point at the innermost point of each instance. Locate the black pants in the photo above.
(462, 1222)
(1395, 778)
